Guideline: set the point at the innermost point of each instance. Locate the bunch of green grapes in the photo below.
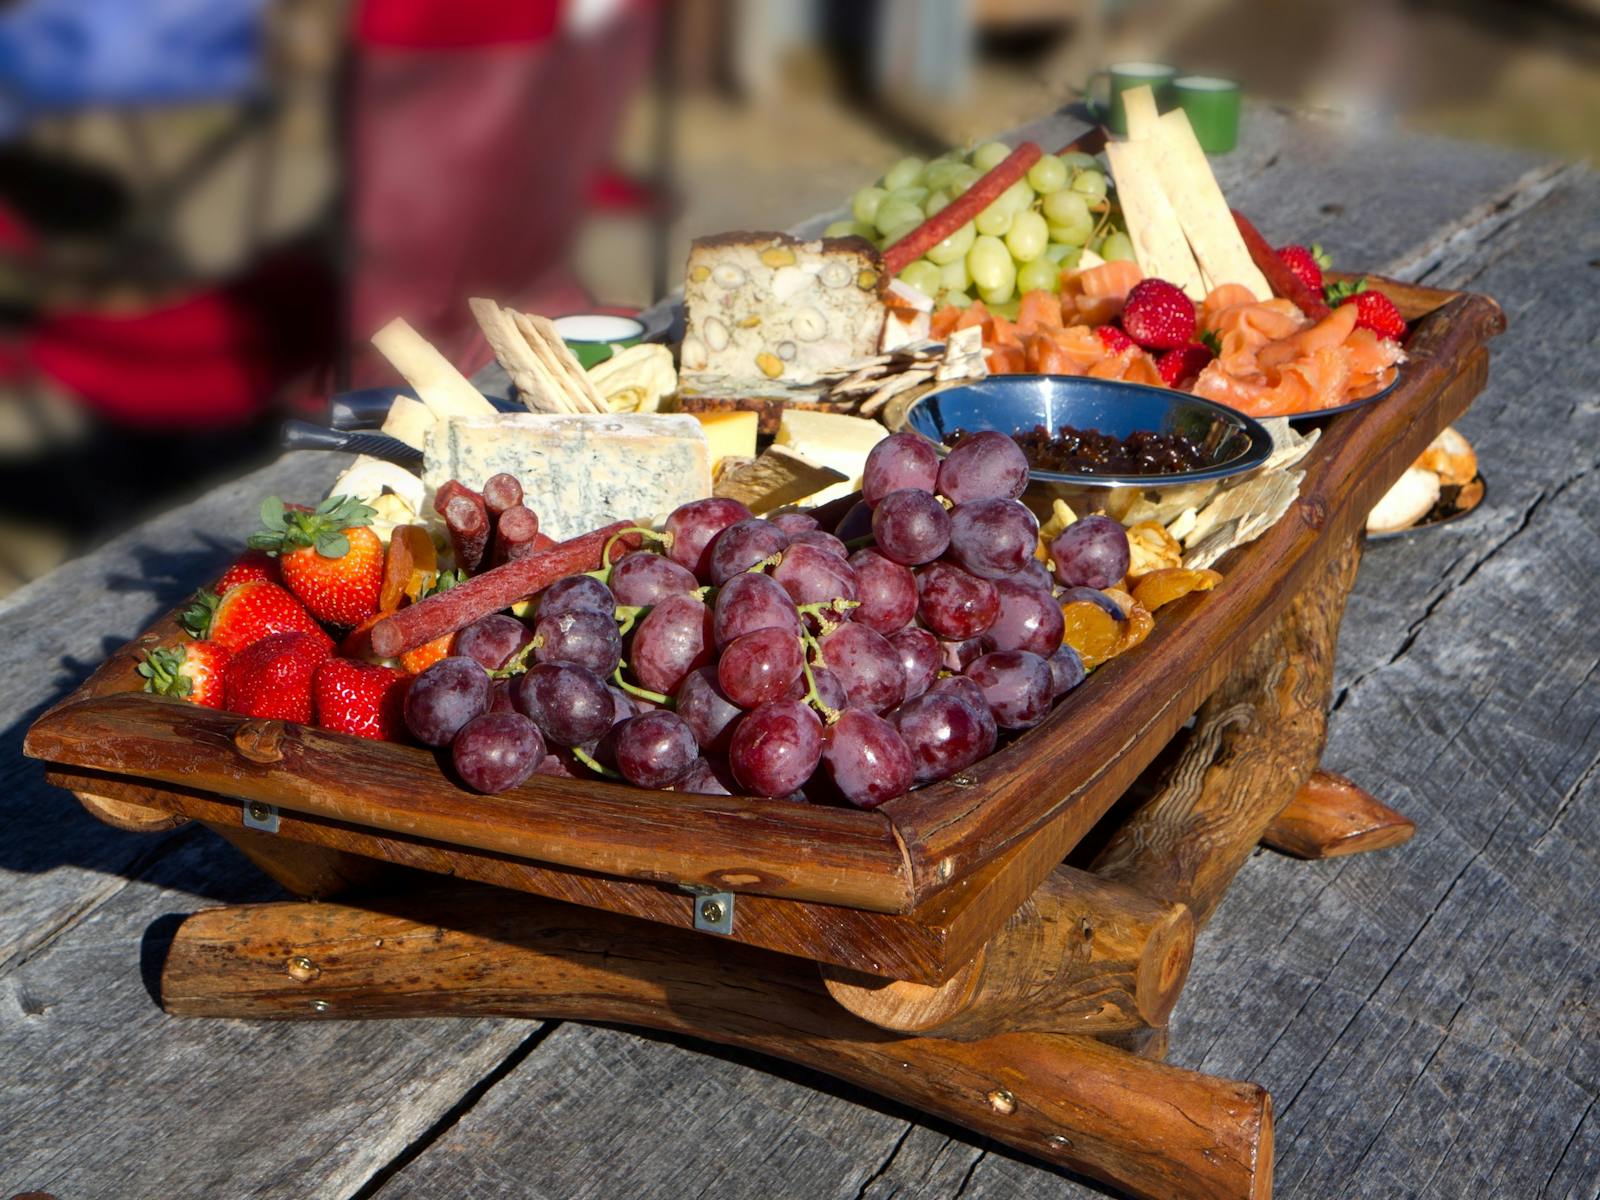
(1036, 228)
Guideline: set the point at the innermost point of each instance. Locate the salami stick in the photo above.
(495, 589)
(501, 492)
(514, 533)
(449, 491)
(1283, 281)
(468, 522)
(962, 209)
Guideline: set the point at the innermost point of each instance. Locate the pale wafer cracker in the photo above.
(539, 390)
(1154, 227)
(555, 355)
(1139, 110)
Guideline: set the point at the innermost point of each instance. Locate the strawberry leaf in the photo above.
(272, 515)
(1320, 256)
(1211, 341)
(196, 619)
(1337, 293)
(332, 545)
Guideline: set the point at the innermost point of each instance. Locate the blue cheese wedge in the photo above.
(581, 471)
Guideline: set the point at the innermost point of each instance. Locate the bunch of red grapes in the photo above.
(761, 656)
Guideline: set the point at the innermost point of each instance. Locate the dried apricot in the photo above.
(1091, 631)
(1136, 628)
(1165, 586)
(407, 564)
(1151, 548)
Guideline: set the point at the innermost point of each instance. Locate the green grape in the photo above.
(953, 276)
(1091, 184)
(954, 248)
(941, 173)
(963, 179)
(864, 204)
(995, 221)
(1076, 160)
(958, 299)
(850, 229)
(1038, 275)
(1060, 252)
(1027, 236)
(1069, 260)
(903, 172)
(1117, 247)
(936, 202)
(1019, 197)
(923, 276)
(893, 213)
(998, 299)
(989, 263)
(894, 233)
(1067, 207)
(1047, 175)
(990, 155)
(911, 193)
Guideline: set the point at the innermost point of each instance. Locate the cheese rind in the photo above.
(1153, 226)
(578, 472)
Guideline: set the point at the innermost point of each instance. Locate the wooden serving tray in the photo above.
(910, 890)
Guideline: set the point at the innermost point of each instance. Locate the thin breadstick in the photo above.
(439, 385)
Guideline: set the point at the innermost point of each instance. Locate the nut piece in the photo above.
(771, 365)
(750, 322)
(787, 351)
(808, 324)
(867, 280)
(777, 256)
(700, 274)
(728, 275)
(834, 274)
(693, 354)
(716, 335)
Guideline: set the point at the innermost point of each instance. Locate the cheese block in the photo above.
(763, 307)
(409, 421)
(440, 386)
(1153, 227)
(1202, 210)
(832, 440)
(729, 434)
(578, 471)
(777, 478)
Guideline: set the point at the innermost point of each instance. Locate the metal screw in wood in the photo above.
(711, 912)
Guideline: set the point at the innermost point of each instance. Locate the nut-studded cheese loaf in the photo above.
(771, 309)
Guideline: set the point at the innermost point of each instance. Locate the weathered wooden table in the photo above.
(335, 1109)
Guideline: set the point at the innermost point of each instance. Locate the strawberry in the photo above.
(250, 566)
(192, 672)
(1158, 315)
(248, 613)
(361, 699)
(329, 557)
(272, 677)
(1374, 310)
(419, 659)
(1307, 265)
(1115, 340)
(1180, 366)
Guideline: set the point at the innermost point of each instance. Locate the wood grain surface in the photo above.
(1330, 816)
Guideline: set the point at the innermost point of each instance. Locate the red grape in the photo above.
(576, 593)
(750, 602)
(589, 639)
(1066, 670)
(955, 655)
(794, 522)
(964, 689)
(983, 465)
(643, 579)
(1091, 552)
(953, 603)
(856, 523)
(1094, 596)
(497, 751)
(500, 696)
(570, 705)
(1029, 619)
(920, 655)
(943, 733)
(492, 640)
(994, 537)
(901, 460)
(1017, 686)
(562, 765)
(887, 591)
(710, 715)
(866, 758)
(822, 541)
(742, 545)
(811, 576)
(775, 748)
(694, 525)
(867, 665)
(654, 750)
(1035, 572)
(445, 697)
(706, 778)
(911, 526)
(673, 639)
(829, 690)
(759, 667)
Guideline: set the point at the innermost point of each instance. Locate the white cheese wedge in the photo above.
(442, 388)
(409, 420)
(368, 478)
(1140, 112)
(1202, 210)
(578, 471)
(833, 440)
(729, 434)
(1153, 227)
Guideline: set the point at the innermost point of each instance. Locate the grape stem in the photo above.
(649, 535)
(627, 614)
(818, 610)
(587, 760)
(862, 542)
(517, 664)
(636, 690)
(814, 698)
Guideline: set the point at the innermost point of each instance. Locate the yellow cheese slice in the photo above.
(1186, 177)
(730, 434)
(1153, 227)
(1139, 108)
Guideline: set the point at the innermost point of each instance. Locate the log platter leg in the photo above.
(1331, 817)
(1150, 1129)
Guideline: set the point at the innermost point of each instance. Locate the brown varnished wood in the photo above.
(1330, 817)
(304, 870)
(1255, 743)
(130, 818)
(1081, 955)
(1145, 1127)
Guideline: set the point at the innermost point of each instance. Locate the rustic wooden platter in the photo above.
(910, 890)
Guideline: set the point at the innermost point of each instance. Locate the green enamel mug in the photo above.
(1122, 76)
(1213, 108)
